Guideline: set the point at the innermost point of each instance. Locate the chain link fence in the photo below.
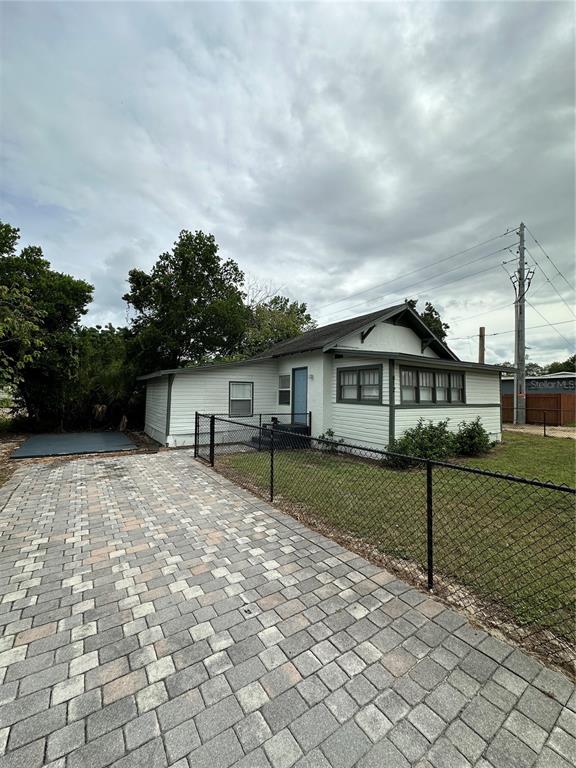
(548, 422)
(499, 546)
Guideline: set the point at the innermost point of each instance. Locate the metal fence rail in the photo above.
(500, 546)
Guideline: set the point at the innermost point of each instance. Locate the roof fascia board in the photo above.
(431, 362)
(213, 366)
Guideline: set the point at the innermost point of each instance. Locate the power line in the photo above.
(562, 299)
(549, 323)
(539, 244)
(460, 266)
(417, 269)
(484, 312)
(500, 333)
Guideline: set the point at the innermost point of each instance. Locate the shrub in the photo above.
(332, 444)
(472, 439)
(426, 441)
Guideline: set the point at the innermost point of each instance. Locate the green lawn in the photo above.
(506, 542)
(552, 459)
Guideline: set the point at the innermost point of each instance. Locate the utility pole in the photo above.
(521, 282)
(482, 345)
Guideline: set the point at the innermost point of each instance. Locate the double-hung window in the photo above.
(284, 390)
(442, 387)
(409, 385)
(241, 400)
(428, 387)
(456, 387)
(359, 385)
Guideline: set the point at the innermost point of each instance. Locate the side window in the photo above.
(442, 386)
(408, 385)
(241, 398)
(359, 385)
(456, 388)
(426, 386)
(284, 390)
(370, 384)
(348, 385)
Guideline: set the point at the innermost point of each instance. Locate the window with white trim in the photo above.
(241, 399)
(284, 390)
(430, 387)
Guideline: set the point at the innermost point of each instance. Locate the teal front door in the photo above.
(300, 395)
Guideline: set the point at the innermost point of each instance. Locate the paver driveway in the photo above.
(154, 614)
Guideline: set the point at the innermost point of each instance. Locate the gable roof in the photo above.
(328, 335)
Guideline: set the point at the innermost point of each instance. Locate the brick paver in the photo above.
(154, 614)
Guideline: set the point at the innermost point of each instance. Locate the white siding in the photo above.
(156, 401)
(481, 387)
(316, 369)
(408, 417)
(207, 392)
(362, 424)
(387, 337)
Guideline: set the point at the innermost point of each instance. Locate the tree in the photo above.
(564, 365)
(46, 380)
(105, 376)
(189, 307)
(19, 319)
(273, 320)
(431, 318)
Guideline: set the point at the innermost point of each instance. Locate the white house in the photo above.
(368, 379)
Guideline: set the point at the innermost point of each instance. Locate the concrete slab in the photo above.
(69, 443)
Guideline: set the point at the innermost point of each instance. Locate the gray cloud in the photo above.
(329, 148)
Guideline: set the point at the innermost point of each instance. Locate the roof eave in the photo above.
(196, 368)
(419, 359)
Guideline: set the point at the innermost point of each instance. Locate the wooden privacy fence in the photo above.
(558, 409)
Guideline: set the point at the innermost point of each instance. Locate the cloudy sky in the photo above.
(341, 152)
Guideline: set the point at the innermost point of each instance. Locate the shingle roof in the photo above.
(327, 334)
(320, 338)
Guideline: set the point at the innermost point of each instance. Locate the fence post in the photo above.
(196, 433)
(310, 422)
(259, 432)
(212, 440)
(272, 463)
(544, 423)
(429, 525)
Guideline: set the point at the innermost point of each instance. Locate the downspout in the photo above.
(500, 396)
(168, 406)
(391, 401)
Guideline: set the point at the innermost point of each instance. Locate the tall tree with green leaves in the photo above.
(20, 320)
(431, 318)
(189, 307)
(563, 365)
(59, 301)
(273, 320)
(105, 376)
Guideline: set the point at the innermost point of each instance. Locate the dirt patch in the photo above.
(538, 429)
